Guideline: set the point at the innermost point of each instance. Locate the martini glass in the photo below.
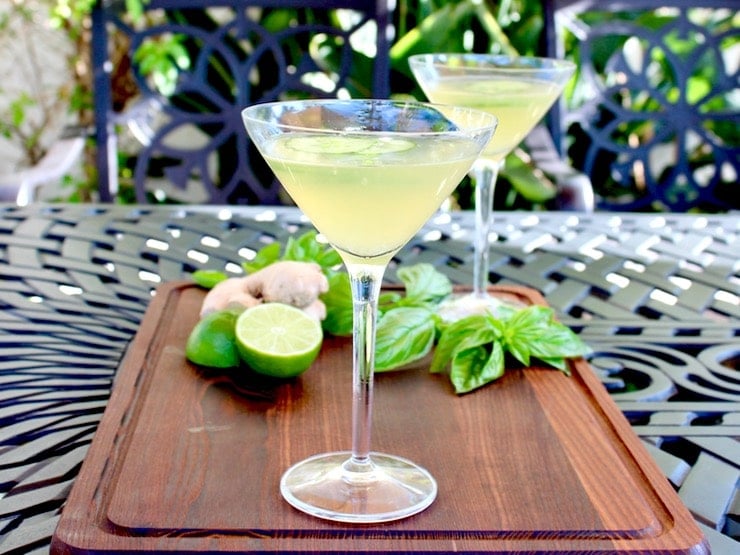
(368, 174)
(519, 90)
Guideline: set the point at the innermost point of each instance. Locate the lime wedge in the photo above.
(336, 144)
(277, 339)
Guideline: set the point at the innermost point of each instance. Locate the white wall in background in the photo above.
(33, 60)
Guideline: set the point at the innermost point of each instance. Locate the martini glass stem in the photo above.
(484, 173)
(366, 283)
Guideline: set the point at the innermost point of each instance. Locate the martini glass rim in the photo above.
(486, 119)
(492, 62)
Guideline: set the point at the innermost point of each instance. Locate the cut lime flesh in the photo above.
(278, 340)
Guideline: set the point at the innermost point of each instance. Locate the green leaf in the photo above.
(558, 362)
(264, 257)
(520, 351)
(439, 31)
(179, 53)
(135, 9)
(302, 248)
(18, 108)
(404, 335)
(338, 301)
(535, 188)
(424, 285)
(306, 248)
(560, 341)
(527, 325)
(534, 332)
(329, 259)
(476, 367)
(388, 299)
(538, 322)
(465, 333)
(208, 278)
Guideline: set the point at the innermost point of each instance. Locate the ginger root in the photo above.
(289, 282)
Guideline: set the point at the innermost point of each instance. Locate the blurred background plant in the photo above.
(32, 116)
(57, 91)
(39, 91)
(498, 27)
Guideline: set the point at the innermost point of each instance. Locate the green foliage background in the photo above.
(482, 26)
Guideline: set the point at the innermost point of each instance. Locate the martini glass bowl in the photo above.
(368, 174)
(518, 90)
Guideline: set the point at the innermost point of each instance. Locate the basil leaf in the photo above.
(534, 332)
(329, 260)
(424, 285)
(306, 248)
(519, 350)
(388, 299)
(404, 335)
(465, 333)
(560, 341)
(528, 324)
(524, 329)
(208, 278)
(338, 301)
(303, 248)
(475, 367)
(264, 257)
(557, 362)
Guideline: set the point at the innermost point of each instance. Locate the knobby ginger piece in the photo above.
(317, 309)
(289, 282)
(295, 283)
(230, 293)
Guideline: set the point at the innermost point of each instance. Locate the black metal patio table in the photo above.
(657, 297)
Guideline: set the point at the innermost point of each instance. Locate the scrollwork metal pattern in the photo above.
(645, 128)
(195, 148)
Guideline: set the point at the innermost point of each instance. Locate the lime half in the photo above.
(277, 339)
(212, 343)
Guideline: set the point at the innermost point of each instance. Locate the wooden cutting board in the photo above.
(189, 460)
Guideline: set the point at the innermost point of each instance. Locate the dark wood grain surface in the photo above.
(189, 460)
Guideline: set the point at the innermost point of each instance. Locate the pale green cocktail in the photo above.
(368, 173)
(518, 103)
(518, 90)
(369, 196)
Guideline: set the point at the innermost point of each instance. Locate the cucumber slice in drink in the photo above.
(386, 145)
(322, 144)
(500, 87)
(328, 144)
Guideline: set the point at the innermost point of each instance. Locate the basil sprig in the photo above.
(475, 348)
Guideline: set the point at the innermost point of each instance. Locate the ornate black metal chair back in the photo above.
(654, 117)
(168, 125)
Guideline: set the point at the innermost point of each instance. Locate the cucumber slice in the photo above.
(496, 87)
(322, 144)
(385, 145)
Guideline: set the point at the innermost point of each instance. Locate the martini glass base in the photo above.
(333, 487)
(459, 306)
